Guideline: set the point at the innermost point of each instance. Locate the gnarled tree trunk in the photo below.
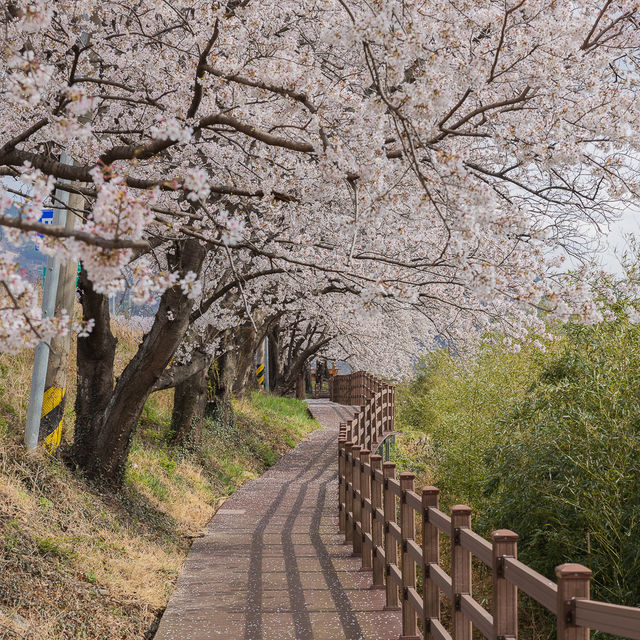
(189, 404)
(107, 443)
(95, 356)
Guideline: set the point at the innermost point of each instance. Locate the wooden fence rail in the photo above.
(370, 500)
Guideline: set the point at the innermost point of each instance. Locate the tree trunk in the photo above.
(189, 404)
(300, 387)
(223, 375)
(299, 364)
(95, 356)
(246, 341)
(118, 420)
(274, 358)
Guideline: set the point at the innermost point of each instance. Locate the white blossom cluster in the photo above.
(401, 171)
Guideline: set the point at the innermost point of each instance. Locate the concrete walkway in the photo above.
(272, 565)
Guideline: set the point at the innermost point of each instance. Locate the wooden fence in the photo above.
(376, 399)
(378, 517)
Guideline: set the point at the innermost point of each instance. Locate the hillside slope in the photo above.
(78, 562)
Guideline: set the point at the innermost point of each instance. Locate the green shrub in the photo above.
(458, 404)
(566, 472)
(546, 444)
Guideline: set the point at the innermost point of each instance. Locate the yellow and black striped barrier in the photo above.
(260, 373)
(51, 417)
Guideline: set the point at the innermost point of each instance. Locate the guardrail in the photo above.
(369, 496)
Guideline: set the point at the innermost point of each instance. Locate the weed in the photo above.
(45, 504)
(55, 547)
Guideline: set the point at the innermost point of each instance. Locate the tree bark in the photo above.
(300, 387)
(117, 421)
(222, 377)
(95, 356)
(189, 404)
(274, 358)
(246, 343)
(176, 375)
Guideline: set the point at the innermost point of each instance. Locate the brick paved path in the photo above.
(272, 566)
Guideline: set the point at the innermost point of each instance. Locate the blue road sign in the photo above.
(46, 218)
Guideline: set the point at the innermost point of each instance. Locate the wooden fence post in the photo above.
(348, 509)
(505, 594)
(376, 524)
(342, 440)
(460, 571)
(393, 411)
(430, 555)
(357, 511)
(383, 412)
(390, 544)
(374, 424)
(573, 582)
(365, 491)
(408, 529)
(368, 420)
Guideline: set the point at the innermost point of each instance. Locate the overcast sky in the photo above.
(616, 242)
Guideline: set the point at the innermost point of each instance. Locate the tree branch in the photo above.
(60, 232)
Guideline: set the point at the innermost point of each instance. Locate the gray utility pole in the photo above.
(41, 358)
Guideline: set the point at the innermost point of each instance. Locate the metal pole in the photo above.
(41, 357)
(266, 364)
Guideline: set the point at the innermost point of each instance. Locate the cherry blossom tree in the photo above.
(397, 169)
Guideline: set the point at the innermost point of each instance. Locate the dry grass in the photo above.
(77, 562)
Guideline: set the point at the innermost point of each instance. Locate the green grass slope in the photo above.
(77, 562)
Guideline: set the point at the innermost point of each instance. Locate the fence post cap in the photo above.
(573, 571)
(406, 480)
(389, 465)
(461, 509)
(504, 535)
(430, 491)
(375, 457)
(357, 447)
(365, 452)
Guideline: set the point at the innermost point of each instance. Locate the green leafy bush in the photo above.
(458, 403)
(544, 443)
(565, 472)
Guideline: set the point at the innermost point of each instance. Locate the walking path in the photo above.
(272, 565)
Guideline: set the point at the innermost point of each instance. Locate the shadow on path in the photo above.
(272, 566)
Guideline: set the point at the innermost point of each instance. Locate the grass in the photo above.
(78, 562)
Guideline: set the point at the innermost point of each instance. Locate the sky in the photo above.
(617, 241)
